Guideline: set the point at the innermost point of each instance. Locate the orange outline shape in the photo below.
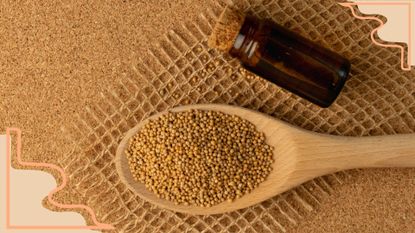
(409, 4)
(97, 226)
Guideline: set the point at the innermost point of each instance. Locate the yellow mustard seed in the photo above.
(199, 157)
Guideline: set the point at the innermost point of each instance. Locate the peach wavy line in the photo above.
(98, 225)
(372, 34)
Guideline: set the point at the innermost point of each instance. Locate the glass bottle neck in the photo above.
(245, 43)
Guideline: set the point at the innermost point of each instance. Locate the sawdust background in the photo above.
(76, 75)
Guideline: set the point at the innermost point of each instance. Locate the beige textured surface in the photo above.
(90, 70)
(361, 205)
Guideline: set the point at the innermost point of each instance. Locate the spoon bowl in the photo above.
(299, 156)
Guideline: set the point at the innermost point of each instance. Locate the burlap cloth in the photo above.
(378, 99)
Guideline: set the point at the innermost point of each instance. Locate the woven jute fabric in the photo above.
(378, 99)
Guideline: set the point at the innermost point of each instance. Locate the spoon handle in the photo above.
(334, 153)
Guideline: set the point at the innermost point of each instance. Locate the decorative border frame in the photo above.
(409, 4)
(97, 225)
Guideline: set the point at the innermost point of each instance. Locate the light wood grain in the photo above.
(299, 156)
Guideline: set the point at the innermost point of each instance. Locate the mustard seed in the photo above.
(199, 157)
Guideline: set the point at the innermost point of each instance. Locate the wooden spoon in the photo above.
(299, 156)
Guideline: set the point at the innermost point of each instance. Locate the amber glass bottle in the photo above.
(284, 58)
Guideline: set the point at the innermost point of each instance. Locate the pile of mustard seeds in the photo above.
(199, 157)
